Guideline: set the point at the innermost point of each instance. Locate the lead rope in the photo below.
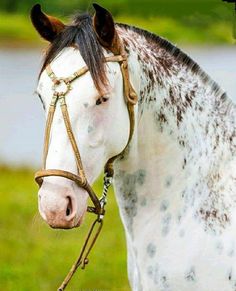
(83, 257)
(85, 251)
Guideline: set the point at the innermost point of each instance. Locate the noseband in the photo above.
(59, 95)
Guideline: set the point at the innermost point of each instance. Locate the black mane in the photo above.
(81, 35)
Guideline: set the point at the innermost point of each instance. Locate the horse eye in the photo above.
(104, 98)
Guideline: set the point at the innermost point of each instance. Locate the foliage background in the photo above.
(33, 256)
(182, 21)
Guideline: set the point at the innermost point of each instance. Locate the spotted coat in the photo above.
(176, 185)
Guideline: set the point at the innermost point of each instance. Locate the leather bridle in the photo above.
(80, 178)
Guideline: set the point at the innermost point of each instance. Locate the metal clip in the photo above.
(107, 181)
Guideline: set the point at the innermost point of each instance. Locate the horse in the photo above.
(175, 183)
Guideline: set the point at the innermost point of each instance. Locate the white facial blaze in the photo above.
(101, 131)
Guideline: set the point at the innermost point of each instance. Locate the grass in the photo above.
(177, 30)
(35, 257)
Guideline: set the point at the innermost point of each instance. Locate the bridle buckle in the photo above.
(61, 87)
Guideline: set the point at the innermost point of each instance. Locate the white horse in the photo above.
(176, 184)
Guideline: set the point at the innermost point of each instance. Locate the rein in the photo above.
(80, 179)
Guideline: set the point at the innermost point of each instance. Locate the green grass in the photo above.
(35, 257)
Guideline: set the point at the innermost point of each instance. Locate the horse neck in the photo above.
(185, 128)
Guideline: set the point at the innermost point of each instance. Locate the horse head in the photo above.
(96, 110)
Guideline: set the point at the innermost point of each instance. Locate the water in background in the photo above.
(21, 113)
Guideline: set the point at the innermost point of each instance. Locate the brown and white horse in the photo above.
(176, 184)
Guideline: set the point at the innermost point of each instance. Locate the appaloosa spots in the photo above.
(140, 176)
(164, 205)
(128, 184)
(143, 202)
(161, 120)
(214, 219)
(154, 274)
(151, 250)
(150, 271)
(231, 253)
(179, 218)
(230, 275)
(190, 275)
(164, 282)
(165, 230)
(219, 247)
(189, 108)
(166, 224)
(90, 128)
(168, 181)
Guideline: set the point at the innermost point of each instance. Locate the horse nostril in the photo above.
(69, 207)
(67, 211)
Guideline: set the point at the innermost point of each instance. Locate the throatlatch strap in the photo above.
(131, 99)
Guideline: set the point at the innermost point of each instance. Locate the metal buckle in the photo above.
(61, 87)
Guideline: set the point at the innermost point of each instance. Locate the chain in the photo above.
(107, 181)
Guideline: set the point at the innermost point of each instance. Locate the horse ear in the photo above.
(104, 25)
(47, 26)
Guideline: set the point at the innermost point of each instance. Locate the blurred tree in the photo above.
(8, 5)
(182, 10)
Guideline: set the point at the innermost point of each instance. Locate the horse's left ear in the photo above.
(47, 26)
(104, 26)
